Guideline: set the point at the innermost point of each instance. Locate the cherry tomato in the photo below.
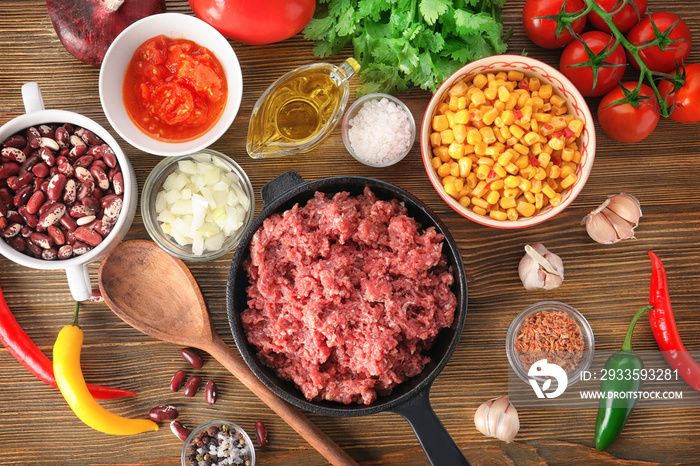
(687, 98)
(663, 57)
(543, 31)
(624, 19)
(625, 122)
(255, 22)
(582, 76)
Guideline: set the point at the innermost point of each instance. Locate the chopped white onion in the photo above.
(201, 204)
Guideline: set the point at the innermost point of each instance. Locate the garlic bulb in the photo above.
(540, 269)
(497, 418)
(614, 220)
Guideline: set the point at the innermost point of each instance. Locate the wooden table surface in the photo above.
(607, 283)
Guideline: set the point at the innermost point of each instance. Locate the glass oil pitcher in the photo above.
(300, 109)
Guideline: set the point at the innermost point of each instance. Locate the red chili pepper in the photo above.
(663, 325)
(19, 345)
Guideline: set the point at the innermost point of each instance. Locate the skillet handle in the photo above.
(280, 185)
(440, 448)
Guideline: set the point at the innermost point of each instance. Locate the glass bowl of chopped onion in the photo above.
(197, 206)
(378, 130)
(551, 331)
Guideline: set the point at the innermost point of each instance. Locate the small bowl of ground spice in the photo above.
(378, 130)
(218, 443)
(553, 331)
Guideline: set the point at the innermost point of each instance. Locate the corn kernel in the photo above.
(496, 185)
(506, 202)
(464, 201)
(536, 186)
(465, 166)
(435, 139)
(568, 181)
(480, 148)
(435, 162)
(447, 136)
(525, 208)
(548, 191)
(458, 89)
(524, 184)
(512, 214)
(503, 94)
(534, 84)
(516, 131)
(478, 98)
(499, 170)
(512, 168)
(490, 116)
(556, 143)
(545, 91)
(454, 169)
(515, 75)
(460, 133)
(556, 200)
(472, 180)
(512, 192)
(447, 179)
(461, 117)
(576, 126)
(557, 101)
(511, 181)
(441, 152)
(522, 161)
(492, 197)
(529, 197)
(482, 172)
(543, 159)
(479, 189)
(498, 215)
(478, 202)
(479, 210)
(456, 150)
(541, 174)
(531, 138)
(487, 135)
(444, 169)
(480, 81)
(528, 172)
(539, 200)
(451, 190)
(491, 93)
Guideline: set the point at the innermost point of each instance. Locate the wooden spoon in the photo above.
(155, 293)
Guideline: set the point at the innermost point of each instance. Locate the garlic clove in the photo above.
(540, 268)
(497, 418)
(614, 220)
(623, 228)
(626, 206)
(600, 229)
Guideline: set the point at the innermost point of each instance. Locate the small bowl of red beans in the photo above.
(170, 84)
(508, 141)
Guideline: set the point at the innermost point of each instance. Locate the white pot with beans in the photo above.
(67, 191)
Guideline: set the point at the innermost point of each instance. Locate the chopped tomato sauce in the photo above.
(174, 89)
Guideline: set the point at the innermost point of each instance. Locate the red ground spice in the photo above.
(551, 335)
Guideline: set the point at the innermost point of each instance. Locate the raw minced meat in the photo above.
(345, 295)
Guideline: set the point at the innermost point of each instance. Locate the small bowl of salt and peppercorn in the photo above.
(378, 130)
(218, 443)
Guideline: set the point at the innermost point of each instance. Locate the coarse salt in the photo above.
(380, 133)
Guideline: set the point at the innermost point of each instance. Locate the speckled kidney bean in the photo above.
(14, 154)
(102, 179)
(79, 210)
(33, 137)
(48, 156)
(56, 185)
(177, 380)
(84, 162)
(12, 230)
(70, 192)
(65, 252)
(192, 385)
(108, 156)
(80, 248)
(41, 240)
(179, 430)
(210, 392)
(52, 215)
(113, 208)
(191, 356)
(163, 413)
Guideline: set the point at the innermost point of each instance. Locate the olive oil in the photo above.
(300, 109)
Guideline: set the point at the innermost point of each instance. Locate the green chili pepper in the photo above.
(620, 380)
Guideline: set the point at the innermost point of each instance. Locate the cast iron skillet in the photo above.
(409, 399)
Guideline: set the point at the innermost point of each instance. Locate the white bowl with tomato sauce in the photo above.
(575, 105)
(165, 115)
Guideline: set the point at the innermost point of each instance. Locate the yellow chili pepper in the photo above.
(70, 380)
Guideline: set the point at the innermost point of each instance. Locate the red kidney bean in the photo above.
(46, 131)
(52, 215)
(192, 357)
(87, 235)
(22, 195)
(24, 178)
(68, 223)
(80, 248)
(91, 203)
(56, 185)
(47, 156)
(96, 296)
(18, 243)
(56, 234)
(163, 413)
(41, 170)
(98, 163)
(18, 141)
(65, 252)
(34, 248)
(14, 217)
(260, 433)
(5, 196)
(192, 385)
(177, 380)
(33, 137)
(108, 156)
(14, 154)
(179, 430)
(30, 220)
(62, 137)
(41, 240)
(84, 162)
(70, 193)
(8, 169)
(210, 392)
(113, 208)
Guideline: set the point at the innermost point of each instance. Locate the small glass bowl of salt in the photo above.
(378, 130)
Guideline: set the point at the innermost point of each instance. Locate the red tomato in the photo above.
(673, 49)
(543, 31)
(624, 19)
(255, 22)
(582, 76)
(625, 122)
(687, 98)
